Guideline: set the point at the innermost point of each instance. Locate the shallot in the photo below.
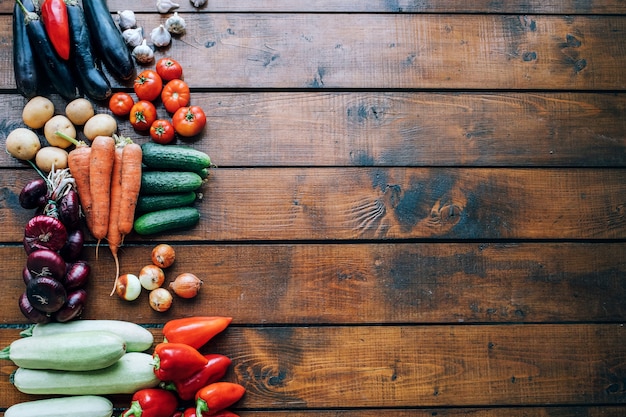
(160, 299)
(128, 287)
(186, 285)
(151, 277)
(163, 255)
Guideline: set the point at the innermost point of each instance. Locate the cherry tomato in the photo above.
(189, 121)
(142, 115)
(175, 95)
(162, 131)
(120, 103)
(169, 69)
(148, 85)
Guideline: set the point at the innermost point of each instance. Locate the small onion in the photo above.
(128, 287)
(160, 299)
(163, 255)
(32, 193)
(151, 277)
(186, 285)
(77, 275)
(46, 294)
(31, 313)
(73, 307)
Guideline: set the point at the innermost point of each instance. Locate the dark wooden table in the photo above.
(419, 208)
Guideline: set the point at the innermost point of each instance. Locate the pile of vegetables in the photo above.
(83, 361)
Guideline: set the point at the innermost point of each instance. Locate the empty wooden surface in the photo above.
(418, 209)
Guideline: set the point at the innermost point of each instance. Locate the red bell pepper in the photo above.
(216, 397)
(191, 412)
(56, 22)
(194, 331)
(152, 402)
(175, 361)
(213, 371)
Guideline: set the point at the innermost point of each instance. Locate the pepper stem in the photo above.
(134, 410)
(201, 407)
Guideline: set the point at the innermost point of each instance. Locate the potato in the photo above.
(37, 112)
(50, 156)
(23, 143)
(100, 125)
(79, 111)
(62, 124)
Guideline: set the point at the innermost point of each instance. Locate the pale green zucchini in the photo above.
(137, 338)
(134, 371)
(80, 351)
(74, 406)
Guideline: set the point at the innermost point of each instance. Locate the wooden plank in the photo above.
(366, 283)
(417, 366)
(432, 51)
(397, 128)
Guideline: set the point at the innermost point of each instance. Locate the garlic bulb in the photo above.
(198, 3)
(133, 36)
(175, 24)
(143, 53)
(127, 19)
(164, 6)
(160, 36)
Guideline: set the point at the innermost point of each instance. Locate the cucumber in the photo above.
(73, 406)
(137, 338)
(132, 372)
(154, 202)
(81, 351)
(174, 157)
(166, 220)
(165, 182)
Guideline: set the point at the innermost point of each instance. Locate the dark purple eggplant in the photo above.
(33, 193)
(31, 313)
(69, 210)
(44, 232)
(46, 294)
(74, 245)
(73, 307)
(77, 275)
(46, 263)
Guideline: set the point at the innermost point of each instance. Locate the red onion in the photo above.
(73, 307)
(74, 245)
(31, 313)
(77, 275)
(44, 232)
(69, 210)
(46, 263)
(33, 194)
(26, 275)
(46, 294)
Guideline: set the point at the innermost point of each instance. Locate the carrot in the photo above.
(100, 170)
(131, 183)
(78, 163)
(114, 237)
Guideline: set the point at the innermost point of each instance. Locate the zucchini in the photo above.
(137, 338)
(154, 202)
(81, 351)
(90, 78)
(107, 40)
(134, 371)
(24, 65)
(74, 406)
(165, 182)
(166, 220)
(174, 157)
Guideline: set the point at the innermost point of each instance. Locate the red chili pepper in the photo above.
(194, 331)
(217, 397)
(213, 371)
(176, 361)
(152, 402)
(56, 22)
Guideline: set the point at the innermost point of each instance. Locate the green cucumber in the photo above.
(154, 202)
(160, 221)
(137, 338)
(74, 406)
(166, 182)
(84, 351)
(132, 372)
(174, 157)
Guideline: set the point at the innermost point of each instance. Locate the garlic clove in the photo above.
(127, 19)
(160, 36)
(198, 3)
(164, 6)
(133, 36)
(143, 53)
(175, 24)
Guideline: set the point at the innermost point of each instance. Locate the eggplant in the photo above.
(31, 313)
(73, 307)
(24, 64)
(107, 40)
(46, 263)
(91, 79)
(46, 294)
(33, 193)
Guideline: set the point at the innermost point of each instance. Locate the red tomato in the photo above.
(175, 95)
(148, 85)
(142, 115)
(120, 103)
(169, 69)
(189, 121)
(162, 131)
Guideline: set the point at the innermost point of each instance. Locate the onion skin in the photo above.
(31, 313)
(44, 232)
(33, 193)
(46, 263)
(72, 249)
(46, 294)
(69, 210)
(77, 275)
(26, 275)
(163, 255)
(160, 299)
(73, 307)
(186, 285)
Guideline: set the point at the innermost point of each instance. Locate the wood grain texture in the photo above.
(433, 51)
